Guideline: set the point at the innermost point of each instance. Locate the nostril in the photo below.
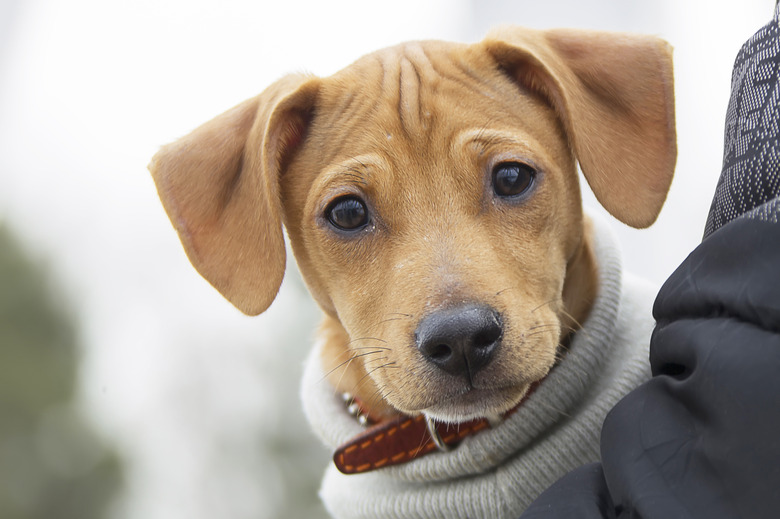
(486, 338)
(439, 352)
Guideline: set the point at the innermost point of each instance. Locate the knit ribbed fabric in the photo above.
(497, 473)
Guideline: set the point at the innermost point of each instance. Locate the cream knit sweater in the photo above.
(497, 473)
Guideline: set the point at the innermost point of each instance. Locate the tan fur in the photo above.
(415, 130)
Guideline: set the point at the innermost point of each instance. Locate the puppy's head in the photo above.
(430, 195)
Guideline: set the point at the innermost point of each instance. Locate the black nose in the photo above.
(460, 340)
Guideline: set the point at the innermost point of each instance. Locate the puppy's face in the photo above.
(430, 195)
(436, 226)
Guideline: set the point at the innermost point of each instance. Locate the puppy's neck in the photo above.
(581, 284)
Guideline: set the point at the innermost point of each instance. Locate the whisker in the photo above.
(367, 339)
(386, 365)
(380, 395)
(506, 289)
(545, 325)
(575, 321)
(371, 348)
(540, 332)
(399, 316)
(554, 408)
(391, 319)
(364, 377)
(422, 439)
(377, 359)
(376, 396)
(344, 372)
(369, 372)
(350, 359)
(543, 304)
(581, 373)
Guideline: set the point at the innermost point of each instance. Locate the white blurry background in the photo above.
(200, 400)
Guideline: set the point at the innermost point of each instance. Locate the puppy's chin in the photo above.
(477, 403)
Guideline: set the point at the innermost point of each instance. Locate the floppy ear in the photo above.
(614, 94)
(220, 188)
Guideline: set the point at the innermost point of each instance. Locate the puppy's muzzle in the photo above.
(460, 340)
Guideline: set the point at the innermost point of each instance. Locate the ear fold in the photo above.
(219, 186)
(615, 96)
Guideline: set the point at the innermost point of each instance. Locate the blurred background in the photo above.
(129, 389)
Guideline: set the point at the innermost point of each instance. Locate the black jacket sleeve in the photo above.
(702, 438)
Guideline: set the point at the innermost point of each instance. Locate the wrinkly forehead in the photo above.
(408, 85)
(427, 99)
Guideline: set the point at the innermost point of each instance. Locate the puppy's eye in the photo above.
(347, 213)
(512, 179)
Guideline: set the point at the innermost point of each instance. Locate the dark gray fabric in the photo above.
(751, 165)
(768, 212)
(701, 439)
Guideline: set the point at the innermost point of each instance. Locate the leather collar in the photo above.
(404, 438)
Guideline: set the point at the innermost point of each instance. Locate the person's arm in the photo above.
(702, 437)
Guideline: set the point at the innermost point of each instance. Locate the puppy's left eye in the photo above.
(512, 179)
(347, 213)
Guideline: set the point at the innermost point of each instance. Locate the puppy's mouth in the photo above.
(473, 402)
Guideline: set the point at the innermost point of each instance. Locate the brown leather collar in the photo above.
(404, 438)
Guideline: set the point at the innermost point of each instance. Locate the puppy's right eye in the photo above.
(512, 179)
(348, 213)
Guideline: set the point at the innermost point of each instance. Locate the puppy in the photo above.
(430, 195)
